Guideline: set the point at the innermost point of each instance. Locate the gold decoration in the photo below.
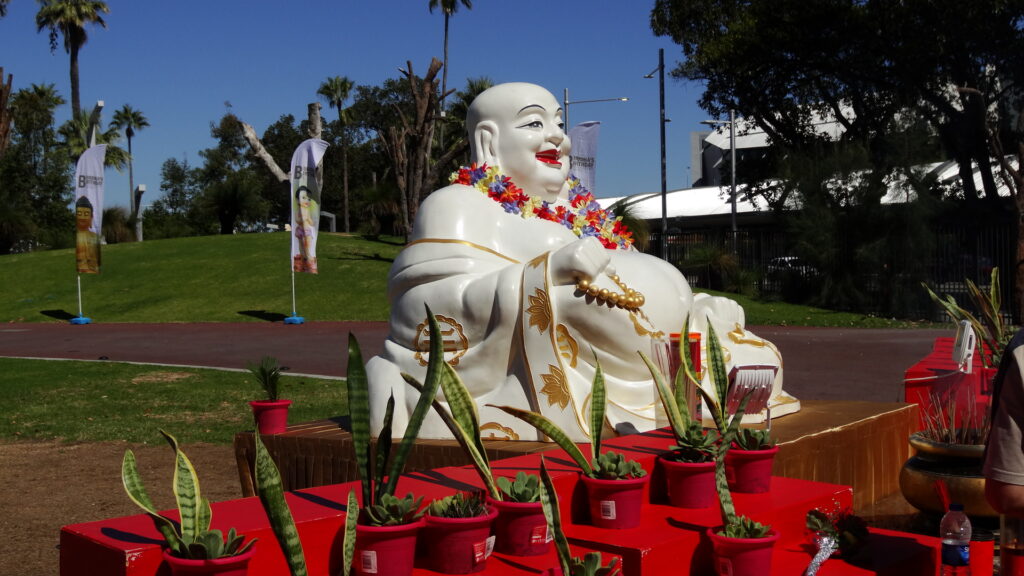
(454, 340)
(508, 433)
(556, 387)
(641, 331)
(540, 310)
(537, 261)
(567, 345)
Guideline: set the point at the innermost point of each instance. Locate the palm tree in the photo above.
(68, 18)
(336, 91)
(3, 8)
(449, 7)
(76, 138)
(130, 120)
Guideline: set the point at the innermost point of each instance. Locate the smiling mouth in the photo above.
(549, 157)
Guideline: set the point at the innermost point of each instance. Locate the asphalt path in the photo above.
(820, 363)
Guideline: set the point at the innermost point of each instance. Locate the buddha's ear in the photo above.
(485, 140)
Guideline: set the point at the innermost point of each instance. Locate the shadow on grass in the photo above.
(58, 314)
(361, 257)
(264, 315)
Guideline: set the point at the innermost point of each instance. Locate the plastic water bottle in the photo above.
(955, 531)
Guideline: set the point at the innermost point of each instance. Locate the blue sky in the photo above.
(179, 62)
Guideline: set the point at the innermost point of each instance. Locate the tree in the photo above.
(234, 199)
(5, 110)
(67, 19)
(449, 7)
(868, 65)
(129, 119)
(76, 138)
(335, 91)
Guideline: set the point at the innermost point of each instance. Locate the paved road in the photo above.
(820, 363)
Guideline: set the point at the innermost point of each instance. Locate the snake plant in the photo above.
(598, 397)
(192, 537)
(459, 505)
(270, 489)
(374, 484)
(590, 564)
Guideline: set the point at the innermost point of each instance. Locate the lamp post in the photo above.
(661, 124)
(566, 102)
(732, 160)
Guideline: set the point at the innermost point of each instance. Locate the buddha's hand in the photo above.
(583, 259)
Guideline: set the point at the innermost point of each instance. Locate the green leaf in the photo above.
(359, 413)
(271, 492)
(383, 449)
(675, 417)
(467, 425)
(137, 493)
(348, 547)
(598, 398)
(551, 430)
(549, 504)
(187, 495)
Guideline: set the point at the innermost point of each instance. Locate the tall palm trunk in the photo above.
(76, 100)
(344, 170)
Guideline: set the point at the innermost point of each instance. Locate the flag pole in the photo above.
(80, 319)
(294, 318)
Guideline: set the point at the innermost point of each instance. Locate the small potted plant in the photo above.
(520, 528)
(615, 486)
(742, 546)
(689, 466)
(590, 564)
(192, 546)
(748, 464)
(387, 525)
(271, 413)
(458, 533)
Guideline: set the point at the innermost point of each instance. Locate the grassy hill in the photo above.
(246, 277)
(206, 279)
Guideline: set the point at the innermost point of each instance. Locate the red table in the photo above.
(935, 382)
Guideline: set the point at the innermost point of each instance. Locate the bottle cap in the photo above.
(956, 507)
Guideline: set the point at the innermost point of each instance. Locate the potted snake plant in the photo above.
(615, 485)
(458, 533)
(689, 466)
(741, 546)
(387, 525)
(271, 412)
(748, 464)
(192, 546)
(520, 529)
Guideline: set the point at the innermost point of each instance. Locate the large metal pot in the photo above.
(958, 465)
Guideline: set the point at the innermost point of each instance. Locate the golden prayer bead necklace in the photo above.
(628, 299)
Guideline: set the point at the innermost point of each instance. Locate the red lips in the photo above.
(549, 157)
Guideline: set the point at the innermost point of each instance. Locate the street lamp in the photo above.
(566, 102)
(661, 124)
(732, 160)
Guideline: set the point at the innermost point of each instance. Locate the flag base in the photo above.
(294, 320)
(80, 320)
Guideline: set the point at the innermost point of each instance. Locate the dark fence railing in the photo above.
(957, 252)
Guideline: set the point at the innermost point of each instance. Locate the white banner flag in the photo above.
(89, 209)
(305, 194)
(584, 153)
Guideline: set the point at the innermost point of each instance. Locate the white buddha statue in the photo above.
(530, 280)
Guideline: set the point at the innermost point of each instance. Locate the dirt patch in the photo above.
(51, 484)
(153, 377)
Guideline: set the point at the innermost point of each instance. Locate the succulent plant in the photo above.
(694, 445)
(590, 564)
(459, 505)
(611, 465)
(753, 439)
(268, 374)
(192, 537)
(391, 510)
(525, 488)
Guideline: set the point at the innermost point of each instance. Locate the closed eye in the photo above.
(534, 124)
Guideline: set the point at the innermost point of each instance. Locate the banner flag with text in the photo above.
(89, 209)
(584, 153)
(306, 182)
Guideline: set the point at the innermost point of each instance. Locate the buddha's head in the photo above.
(83, 214)
(518, 127)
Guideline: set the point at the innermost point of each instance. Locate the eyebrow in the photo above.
(530, 106)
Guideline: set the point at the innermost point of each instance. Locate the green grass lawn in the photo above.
(107, 401)
(205, 279)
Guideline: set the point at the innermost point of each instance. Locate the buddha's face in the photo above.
(83, 218)
(532, 147)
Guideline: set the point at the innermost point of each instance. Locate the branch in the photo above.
(315, 126)
(259, 150)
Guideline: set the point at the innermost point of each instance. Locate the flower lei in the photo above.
(584, 216)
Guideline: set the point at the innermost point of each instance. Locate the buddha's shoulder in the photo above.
(456, 196)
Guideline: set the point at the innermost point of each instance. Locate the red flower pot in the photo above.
(459, 545)
(750, 471)
(689, 485)
(615, 503)
(230, 566)
(520, 529)
(271, 416)
(386, 550)
(742, 556)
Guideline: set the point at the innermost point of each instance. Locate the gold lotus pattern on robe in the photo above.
(556, 388)
(540, 310)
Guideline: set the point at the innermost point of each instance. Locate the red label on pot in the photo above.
(368, 561)
(539, 535)
(608, 509)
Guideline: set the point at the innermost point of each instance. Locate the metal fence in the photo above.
(958, 252)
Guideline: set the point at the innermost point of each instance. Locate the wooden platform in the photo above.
(856, 444)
